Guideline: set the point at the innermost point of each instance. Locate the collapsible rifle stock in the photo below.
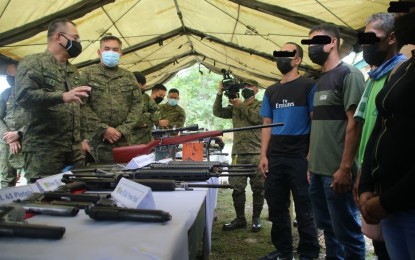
(126, 153)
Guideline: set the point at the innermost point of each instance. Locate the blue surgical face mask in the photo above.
(110, 58)
(172, 102)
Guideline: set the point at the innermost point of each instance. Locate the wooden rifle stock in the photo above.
(125, 153)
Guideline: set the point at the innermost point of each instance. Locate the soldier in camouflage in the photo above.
(246, 150)
(12, 118)
(49, 88)
(149, 117)
(158, 92)
(114, 107)
(172, 115)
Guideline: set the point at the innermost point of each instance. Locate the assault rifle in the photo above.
(211, 164)
(12, 224)
(183, 174)
(210, 168)
(126, 153)
(180, 175)
(110, 181)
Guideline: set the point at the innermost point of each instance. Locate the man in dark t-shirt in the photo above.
(283, 156)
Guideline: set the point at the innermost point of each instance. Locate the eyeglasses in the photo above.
(74, 36)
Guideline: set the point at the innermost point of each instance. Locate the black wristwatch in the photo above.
(20, 135)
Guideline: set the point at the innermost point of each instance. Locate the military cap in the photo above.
(250, 82)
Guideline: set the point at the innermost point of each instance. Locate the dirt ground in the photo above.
(244, 244)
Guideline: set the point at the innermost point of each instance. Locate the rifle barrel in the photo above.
(252, 127)
(210, 168)
(203, 185)
(211, 163)
(171, 185)
(181, 175)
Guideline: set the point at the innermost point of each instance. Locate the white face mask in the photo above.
(172, 102)
(110, 58)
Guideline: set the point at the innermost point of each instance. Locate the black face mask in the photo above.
(404, 29)
(158, 100)
(317, 54)
(284, 64)
(247, 93)
(10, 80)
(73, 48)
(373, 56)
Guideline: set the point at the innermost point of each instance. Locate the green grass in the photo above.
(242, 243)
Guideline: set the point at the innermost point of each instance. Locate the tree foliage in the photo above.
(198, 87)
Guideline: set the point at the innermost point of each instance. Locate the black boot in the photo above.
(256, 224)
(235, 224)
(240, 220)
(256, 220)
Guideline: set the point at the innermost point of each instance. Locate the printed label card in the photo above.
(141, 161)
(51, 183)
(8, 195)
(130, 194)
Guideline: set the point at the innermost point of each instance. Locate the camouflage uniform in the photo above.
(246, 149)
(52, 139)
(115, 101)
(175, 115)
(149, 118)
(12, 118)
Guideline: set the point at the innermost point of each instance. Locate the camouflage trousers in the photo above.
(49, 161)
(239, 184)
(141, 135)
(10, 166)
(102, 150)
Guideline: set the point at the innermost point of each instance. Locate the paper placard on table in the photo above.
(8, 195)
(131, 194)
(51, 183)
(141, 161)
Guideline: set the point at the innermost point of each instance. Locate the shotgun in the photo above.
(124, 154)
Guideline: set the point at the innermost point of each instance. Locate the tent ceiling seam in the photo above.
(332, 13)
(5, 8)
(30, 29)
(248, 27)
(180, 15)
(299, 19)
(157, 50)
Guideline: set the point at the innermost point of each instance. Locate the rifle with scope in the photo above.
(125, 153)
(158, 133)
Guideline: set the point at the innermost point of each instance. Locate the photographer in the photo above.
(246, 147)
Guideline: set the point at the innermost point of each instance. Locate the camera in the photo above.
(231, 86)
